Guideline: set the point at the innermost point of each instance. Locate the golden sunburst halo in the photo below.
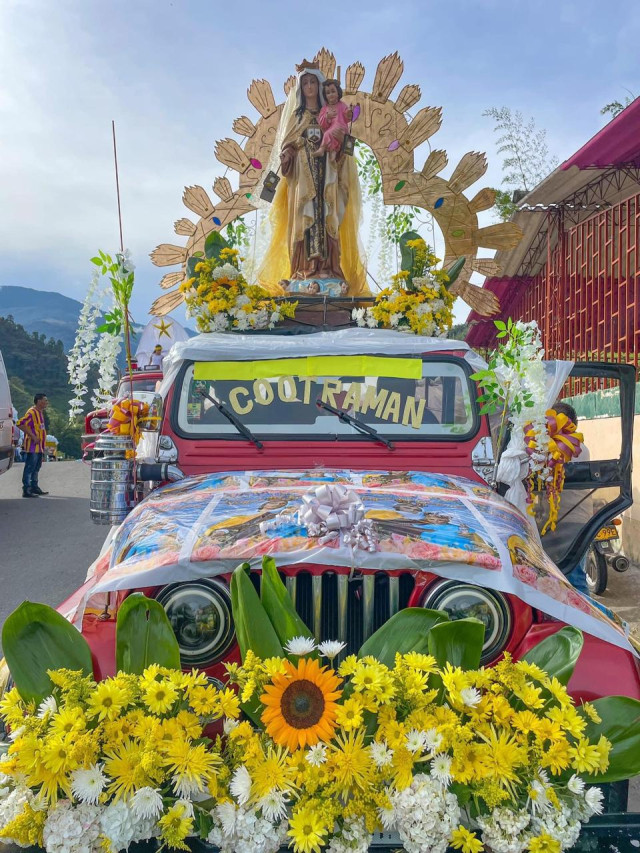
(301, 704)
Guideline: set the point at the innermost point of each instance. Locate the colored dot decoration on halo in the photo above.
(439, 202)
(216, 220)
(399, 186)
(356, 112)
(255, 163)
(459, 232)
(394, 145)
(248, 195)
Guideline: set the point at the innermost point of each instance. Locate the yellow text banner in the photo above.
(313, 365)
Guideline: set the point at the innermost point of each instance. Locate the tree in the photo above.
(616, 107)
(526, 155)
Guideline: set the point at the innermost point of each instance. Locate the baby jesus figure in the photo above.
(334, 119)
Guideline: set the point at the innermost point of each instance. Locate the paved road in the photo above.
(46, 543)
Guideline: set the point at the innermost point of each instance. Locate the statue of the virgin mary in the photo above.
(315, 215)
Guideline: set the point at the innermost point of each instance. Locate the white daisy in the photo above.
(415, 740)
(146, 803)
(300, 646)
(87, 785)
(331, 648)
(47, 706)
(432, 740)
(575, 784)
(441, 768)
(240, 785)
(538, 801)
(470, 696)
(14, 734)
(593, 798)
(273, 805)
(380, 753)
(317, 755)
(387, 818)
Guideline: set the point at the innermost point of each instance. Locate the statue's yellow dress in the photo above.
(312, 240)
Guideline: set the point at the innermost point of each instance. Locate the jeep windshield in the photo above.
(401, 397)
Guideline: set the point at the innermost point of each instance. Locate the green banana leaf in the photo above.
(214, 244)
(558, 654)
(458, 643)
(407, 255)
(36, 638)
(253, 627)
(144, 636)
(621, 725)
(454, 271)
(278, 605)
(406, 631)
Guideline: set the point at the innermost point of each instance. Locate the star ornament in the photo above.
(163, 328)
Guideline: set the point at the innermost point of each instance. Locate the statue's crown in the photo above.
(305, 65)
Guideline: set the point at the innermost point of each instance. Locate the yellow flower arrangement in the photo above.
(418, 300)
(220, 299)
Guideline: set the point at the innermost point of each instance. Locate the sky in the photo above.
(173, 74)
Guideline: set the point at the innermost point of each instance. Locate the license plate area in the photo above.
(607, 533)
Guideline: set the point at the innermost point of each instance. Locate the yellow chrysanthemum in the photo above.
(544, 843)
(175, 826)
(271, 770)
(159, 696)
(349, 714)
(12, 708)
(192, 764)
(67, 720)
(584, 756)
(465, 840)
(123, 764)
(229, 704)
(204, 701)
(301, 704)
(107, 700)
(350, 761)
(58, 754)
(307, 830)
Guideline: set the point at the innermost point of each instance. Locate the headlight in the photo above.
(460, 600)
(95, 424)
(200, 615)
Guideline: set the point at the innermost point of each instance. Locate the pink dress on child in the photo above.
(339, 122)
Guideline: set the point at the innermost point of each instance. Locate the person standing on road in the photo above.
(33, 445)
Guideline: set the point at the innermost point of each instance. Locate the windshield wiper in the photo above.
(242, 429)
(362, 428)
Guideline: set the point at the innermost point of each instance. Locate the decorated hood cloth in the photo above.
(450, 526)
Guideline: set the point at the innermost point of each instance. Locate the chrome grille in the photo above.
(337, 608)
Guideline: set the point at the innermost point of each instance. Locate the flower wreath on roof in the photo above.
(219, 297)
(419, 300)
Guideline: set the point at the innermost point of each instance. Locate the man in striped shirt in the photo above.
(35, 434)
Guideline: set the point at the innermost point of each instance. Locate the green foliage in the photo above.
(278, 605)
(558, 654)
(620, 724)
(406, 631)
(144, 636)
(401, 218)
(122, 284)
(504, 207)
(615, 107)
(254, 629)
(496, 397)
(458, 643)
(458, 332)
(237, 234)
(213, 245)
(36, 638)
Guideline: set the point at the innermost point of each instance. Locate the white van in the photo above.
(6, 421)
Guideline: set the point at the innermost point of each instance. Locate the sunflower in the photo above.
(301, 704)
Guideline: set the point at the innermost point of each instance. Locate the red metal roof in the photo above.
(618, 143)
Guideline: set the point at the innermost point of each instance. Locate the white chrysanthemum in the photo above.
(380, 753)
(240, 785)
(593, 798)
(229, 725)
(317, 755)
(47, 706)
(331, 648)
(300, 646)
(147, 802)
(87, 785)
(432, 740)
(415, 740)
(470, 696)
(14, 734)
(226, 813)
(387, 818)
(274, 805)
(183, 788)
(575, 784)
(441, 768)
